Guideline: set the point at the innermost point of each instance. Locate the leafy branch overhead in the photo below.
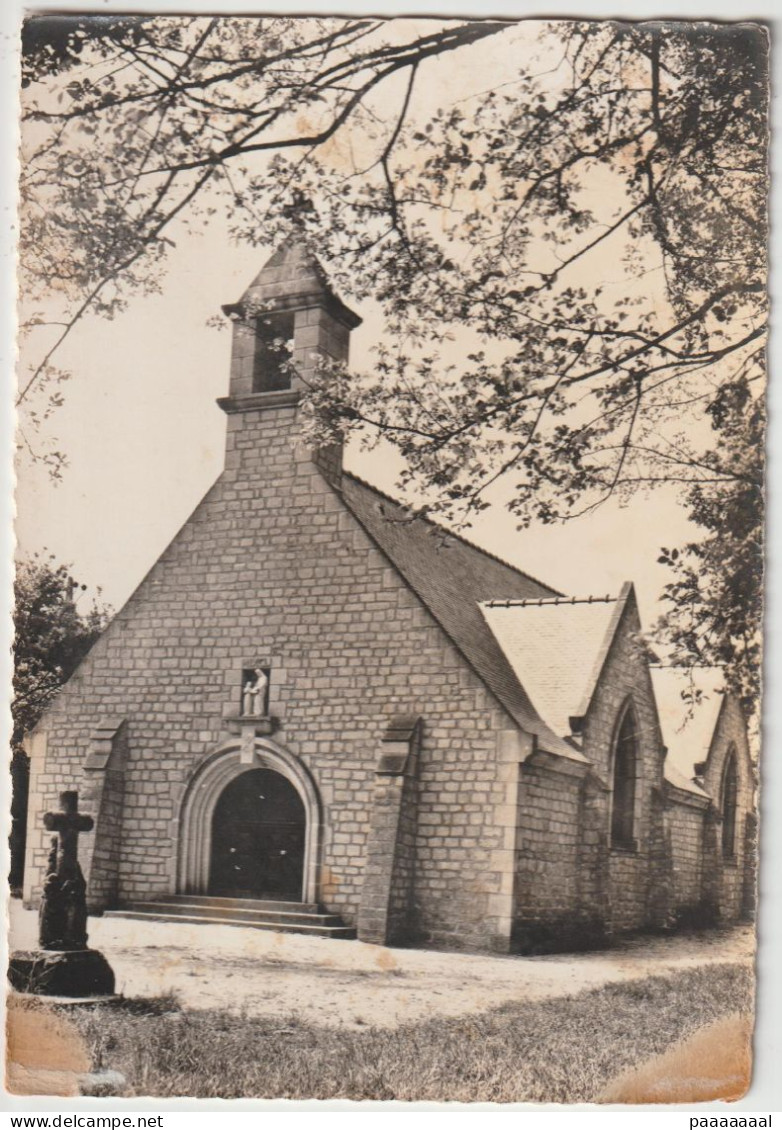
(562, 225)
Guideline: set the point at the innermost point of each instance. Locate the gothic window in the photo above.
(728, 806)
(623, 784)
(273, 352)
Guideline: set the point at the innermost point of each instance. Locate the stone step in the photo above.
(317, 930)
(239, 912)
(239, 903)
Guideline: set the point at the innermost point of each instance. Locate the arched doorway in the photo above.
(258, 834)
(209, 785)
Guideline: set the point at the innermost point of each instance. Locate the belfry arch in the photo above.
(208, 785)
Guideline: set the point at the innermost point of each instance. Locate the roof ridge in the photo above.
(538, 600)
(451, 533)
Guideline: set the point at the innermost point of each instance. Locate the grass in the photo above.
(560, 1050)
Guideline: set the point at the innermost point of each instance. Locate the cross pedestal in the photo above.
(63, 965)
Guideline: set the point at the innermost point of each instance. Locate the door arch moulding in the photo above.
(203, 792)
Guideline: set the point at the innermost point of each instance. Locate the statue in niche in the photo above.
(254, 694)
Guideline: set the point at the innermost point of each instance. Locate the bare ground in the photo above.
(349, 984)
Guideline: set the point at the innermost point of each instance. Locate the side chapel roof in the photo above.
(557, 648)
(687, 726)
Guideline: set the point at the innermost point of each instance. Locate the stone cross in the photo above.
(63, 914)
(68, 823)
(64, 965)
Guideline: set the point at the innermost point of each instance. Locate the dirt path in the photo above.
(350, 984)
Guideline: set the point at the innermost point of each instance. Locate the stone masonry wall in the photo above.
(726, 880)
(272, 567)
(593, 861)
(625, 677)
(685, 823)
(547, 861)
(660, 887)
(750, 889)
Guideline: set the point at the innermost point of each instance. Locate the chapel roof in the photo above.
(687, 726)
(557, 648)
(453, 577)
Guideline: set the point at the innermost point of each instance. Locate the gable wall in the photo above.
(272, 567)
(632, 876)
(727, 879)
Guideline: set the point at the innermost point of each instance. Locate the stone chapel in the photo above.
(315, 715)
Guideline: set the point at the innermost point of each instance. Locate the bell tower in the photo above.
(286, 318)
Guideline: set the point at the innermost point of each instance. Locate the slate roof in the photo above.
(452, 577)
(687, 728)
(557, 649)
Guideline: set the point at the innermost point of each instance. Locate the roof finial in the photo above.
(299, 208)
